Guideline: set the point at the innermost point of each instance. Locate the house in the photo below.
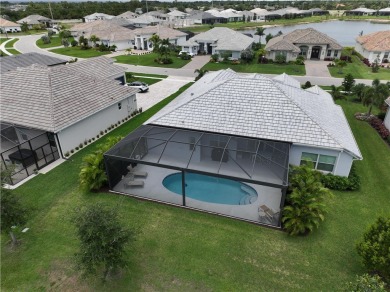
(218, 40)
(36, 19)
(97, 16)
(11, 63)
(206, 18)
(225, 145)
(176, 15)
(374, 46)
(361, 11)
(57, 110)
(9, 26)
(146, 20)
(143, 35)
(386, 121)
(309, 43)
(107, 31)
(384, 11)
(127, 15)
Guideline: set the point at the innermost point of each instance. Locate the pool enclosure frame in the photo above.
(165, 146)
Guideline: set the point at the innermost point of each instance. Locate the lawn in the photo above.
(10, 47)
(148, 60)
(254, 67)
(147, 78)
(55, 41)
(13, 51)
(77, 53)
(360, 71)
(182, 250)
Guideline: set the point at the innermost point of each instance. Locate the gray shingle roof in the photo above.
(259, 107)
(34, 19)
(53, 98)
(10, 63)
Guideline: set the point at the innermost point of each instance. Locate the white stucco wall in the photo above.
(10, 29)
(77, 133)
(386, 121)
(343, 160)
(371, 56)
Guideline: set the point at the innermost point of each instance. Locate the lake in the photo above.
(344, 32)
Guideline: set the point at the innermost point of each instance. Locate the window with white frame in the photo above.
(319, 161)
(336, 52)
(329, 53)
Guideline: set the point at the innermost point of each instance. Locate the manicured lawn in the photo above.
(182, 250)
(2, 40)
(76, 52)
(254, 67)
(148, 60)
(149, 75)
(146, 79)
(11, 43)
(55, 42)
(13, 51)
(360, 71)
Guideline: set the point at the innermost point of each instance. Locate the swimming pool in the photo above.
(211, 189)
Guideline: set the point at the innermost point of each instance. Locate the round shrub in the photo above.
(77, 148)
(67, 154)
(72, 151)
(366, 283)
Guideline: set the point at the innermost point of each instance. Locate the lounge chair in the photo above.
(130, 182)
(268, 213)
(131, 170)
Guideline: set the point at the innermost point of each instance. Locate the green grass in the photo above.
(148, 75)
(153, 78)
(148, 60)
(76, 52)
(55, 41)
(11, 43)
(254, 67)
(2, 40)
(13, 51)
(360, 71)
(182, 250)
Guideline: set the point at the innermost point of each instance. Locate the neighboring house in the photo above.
(238, 134)
(217, 41)
(318, 11)
(374, 46)
(36, 19)
(9, 26)
(386, 121)
(127, 15)
(143, 35)
(259, 14)
(56, 111)
(309, 43)
(107, 31)
(97, 16)
(176, 15)
(146, 20)
(127, 23)
(384, 11)
(138, 11)
(11, 63)
(206, 18)
(361, 11)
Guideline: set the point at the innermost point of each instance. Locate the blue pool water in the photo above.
(211, 189)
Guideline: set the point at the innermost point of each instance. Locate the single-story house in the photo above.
(36, 19)
(9, 26)
(11, 63)
(374, 46)
(176, 15)
(97, 16)
(361, 11)
(55, 111)
(307, 42)
(146, 20)
(318, 11)
(225, 145)
(206, 18)
(143, 35)
(384, 11)
(217, 41)
(386, 121)
(127, 15)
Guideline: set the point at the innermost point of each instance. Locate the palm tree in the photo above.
(375, 95)
(201, 73)
(94, 39)
(336, 92)
(358, 90)
(155, 40)
(260, 32)
(368, 98)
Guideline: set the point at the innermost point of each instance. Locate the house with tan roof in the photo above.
(142, 36)
(97, 16)
(36, 19)
(9, 26)
(309, 43)
(374, 46)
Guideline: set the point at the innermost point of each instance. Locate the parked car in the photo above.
(142, 86)
(189, 54)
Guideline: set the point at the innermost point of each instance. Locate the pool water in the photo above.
(211, 189)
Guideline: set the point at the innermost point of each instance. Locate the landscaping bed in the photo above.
(149, 60)
(79, 53)
(55, 41)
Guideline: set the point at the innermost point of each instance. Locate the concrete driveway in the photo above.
(197, 62)
(161, 90)
(317, 68)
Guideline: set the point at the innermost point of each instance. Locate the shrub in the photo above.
(346, 58)
(89, 140)
(385, 61)
(341, 183)
(300, 60)
(45, 39)
(247, 56)
(93, 138)
(85, 142)
(81, 145)
(377, 124)
(366, 283)
(381, 116)
(72, 151)
(140, 109)
(306, 85)
(215, 57)
(235, 62)
(97, 136)
(77, 148)
(280, 59)
(101, 132)
(226, 55)
(65, 43)
(67, 154)
(375, 247)
(105, 131)
(185, 56)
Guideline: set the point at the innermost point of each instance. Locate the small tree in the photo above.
(348, 82)
(93, 38)
(375, 247)
(65, 34)
(74, 43)
(215, 57)
(260, 32)
(24, 27)
(201, 73)
(366, 283)
(280, 58)
(155, 40)
(340, 64)
(375, 65)
(65, 43)
(300, 60)
(102, 240)
(335, 91)
(226, 55)
(45, 39)
(247, 56)
(268, 37)
(358, 90)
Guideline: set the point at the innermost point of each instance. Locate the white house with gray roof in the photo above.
(217, 41)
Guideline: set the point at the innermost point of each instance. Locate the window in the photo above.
(329, 53)
(386, 55)
(336, 52)
(318, 161)
(119, 105)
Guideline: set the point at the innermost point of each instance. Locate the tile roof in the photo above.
(34, 19)
(260, 107)
(99, 67)
(146, 19)
(299, 37)
(127, 15)
(226, 39)
(98, 15)
(279, 44)
(7, 23)
(377, 41)
(53, 98)
(10, 63)
(163, 31)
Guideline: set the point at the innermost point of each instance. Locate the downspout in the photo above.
(337, 162)
(59, 146)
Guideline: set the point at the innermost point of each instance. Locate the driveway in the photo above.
(161, 90)
(317, 68)
(197, 62)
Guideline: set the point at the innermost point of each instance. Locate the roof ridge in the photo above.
(49, 73)
(310, 117)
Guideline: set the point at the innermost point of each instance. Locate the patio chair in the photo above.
(131, 170)
(268, 213)
(130, 182)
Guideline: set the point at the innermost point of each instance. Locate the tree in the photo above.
(65, 34)
(358, 90)
(340, 64)
(45, 39)
(65, 43)
(247, 56)
(375, 65)
(93, 38)
(260, 32)
(268, 37)
(24, 27)
(155, 40)
(375, 95)
(201, 73)
(366, 283)
(307, 85)
(305, 205)
(102, 240)
(335, 92)
(375, 247)
(348, 82)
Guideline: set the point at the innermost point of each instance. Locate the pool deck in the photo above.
(154, 189)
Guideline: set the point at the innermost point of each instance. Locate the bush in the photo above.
(247, 56)
(85, 142)
(342, 183)
(366, 283)
(101, 132)
(235, 62)
(306, 85)
(300, 60)
(77, 148)
(45, 39)
(378, 125)
(375, 248)
(280, 59)
(72, 151)
(215, 57)
(67, 154)
(81, 145)
(381, 116)
(184, 56)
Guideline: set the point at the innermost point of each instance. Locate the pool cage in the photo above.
(25, 150)
(227, 169)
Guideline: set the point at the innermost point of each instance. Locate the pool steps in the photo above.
(247, 199)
